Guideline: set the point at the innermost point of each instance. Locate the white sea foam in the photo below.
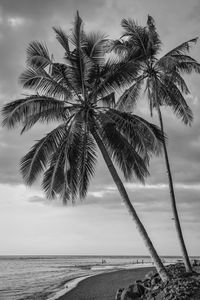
(70, 285)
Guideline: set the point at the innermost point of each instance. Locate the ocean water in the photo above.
(47, 277)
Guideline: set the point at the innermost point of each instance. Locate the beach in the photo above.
(104, 286)
(50, 277)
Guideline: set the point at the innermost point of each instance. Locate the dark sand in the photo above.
(104, 286)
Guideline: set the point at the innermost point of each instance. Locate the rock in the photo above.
(182, 285)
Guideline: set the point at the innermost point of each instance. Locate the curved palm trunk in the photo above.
(173, 202)
(157, 261)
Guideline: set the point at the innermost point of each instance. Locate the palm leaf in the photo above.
(150, 98)
(66, 75)
(120, 47)
(138, 35)
(115, 75)
(182, 63)
(87, 162)
(35, 161)
(39, 80)
(182, 48)
(108, 100)
(47, 116)
(122, 152)
(38, 55)
(77, 36)
(21, 110)
(170, 95)
(154, 42)
(63, 39)
(54, 177)
(63, 175)
(95, 47)
(188, 67)
(146, 137)
(129, 98)
(178, 80)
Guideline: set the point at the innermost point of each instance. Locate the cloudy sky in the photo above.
(101, 225)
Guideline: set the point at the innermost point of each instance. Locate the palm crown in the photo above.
(162, 77)
(163, 82)
(79, 95)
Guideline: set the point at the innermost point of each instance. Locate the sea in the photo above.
(49, 277)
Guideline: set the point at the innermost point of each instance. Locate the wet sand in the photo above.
(104, 286)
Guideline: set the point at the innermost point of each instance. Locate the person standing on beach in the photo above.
(118, 294)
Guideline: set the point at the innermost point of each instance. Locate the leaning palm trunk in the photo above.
(156, 259)
(79, 95)
(173, 201)
(163, 81)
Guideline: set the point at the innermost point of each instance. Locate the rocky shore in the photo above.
(182, 286)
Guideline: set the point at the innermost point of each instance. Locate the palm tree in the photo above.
(78, 95)
(163, 83)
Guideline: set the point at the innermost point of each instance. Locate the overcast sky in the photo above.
(101, 225)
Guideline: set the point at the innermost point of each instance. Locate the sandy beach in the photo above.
(104, 286)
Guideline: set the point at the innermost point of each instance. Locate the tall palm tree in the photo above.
(78, 94)
(161, 78)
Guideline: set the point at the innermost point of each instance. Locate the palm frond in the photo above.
(87, 161)
(182, 48)
(47, 116)
(170, 95)
(115, 75)
(81, 62)
(129, 98)
(54, 178)
(95, 47)
(178, 80)
(63, 39)
(138, 35)
(72, 164)
(38, 55)
(63, 175)
(122, 152)
(82, 72)
(20, 111)
(39, 80)
(154, 42)
(120, 47)
(181, 63)
(188, 67)
(66, 76)
(146, 137)
(77, 36)
(74, 155)
(35, 161)
(108, 100)
(148, 89)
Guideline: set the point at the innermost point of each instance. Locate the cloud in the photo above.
(15, 21)
(23, 21)
(37, 199)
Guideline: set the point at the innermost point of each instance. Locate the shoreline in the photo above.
(69, 285)
(96, 286)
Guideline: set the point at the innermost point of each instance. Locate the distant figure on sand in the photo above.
(118, 294)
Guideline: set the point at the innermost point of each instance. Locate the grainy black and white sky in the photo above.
(100, 225)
